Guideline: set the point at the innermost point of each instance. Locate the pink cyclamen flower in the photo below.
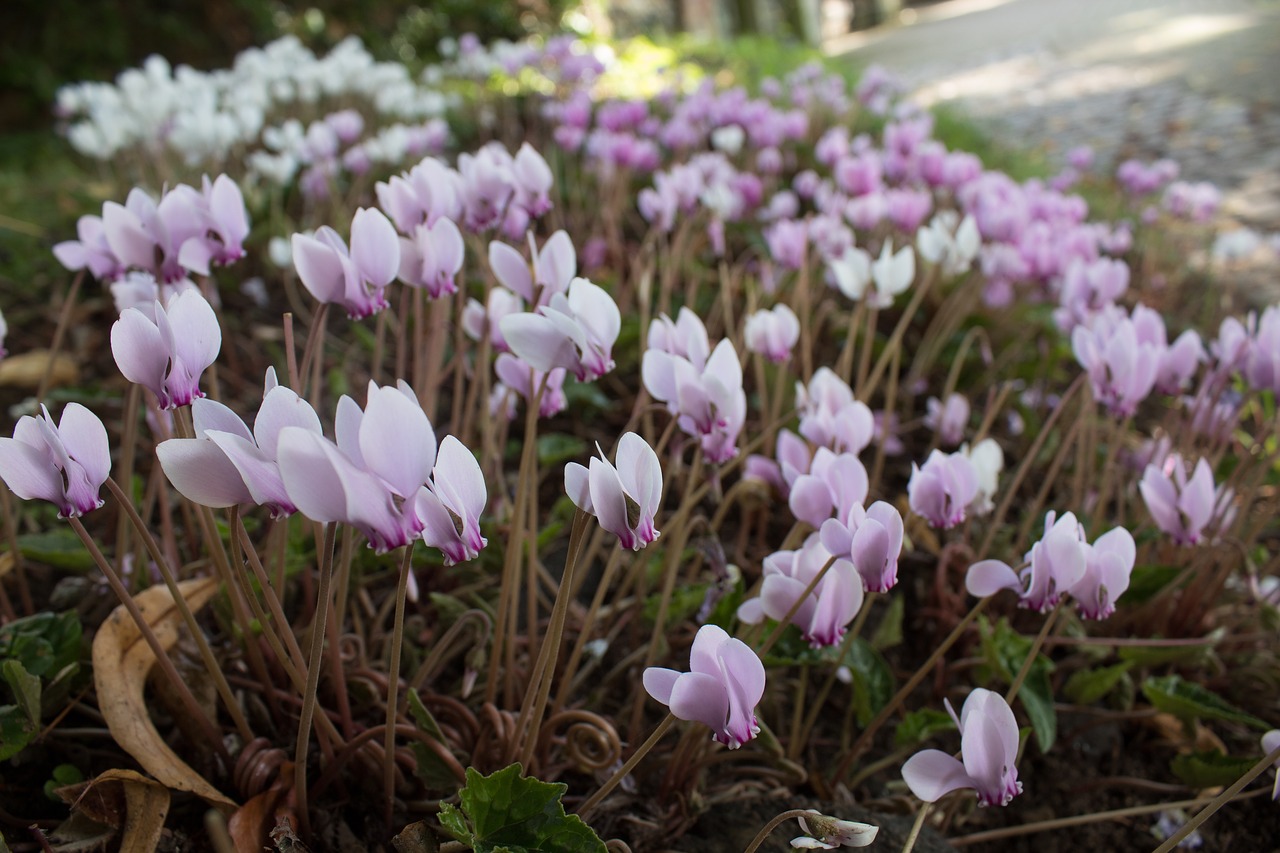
(823, 615)
(833, 484)
(625, 498)
(1055, 565)
(219, 208)
(1182, 507)
(871, 538)
(452, 505)
(64, 463)
(722, 689)
(376, 474)
(575, 331)
(703, 391)
(1108, 567)
(354, 278)
(773, 334)
(948, 419)
(91, 251)
(167, 354)
(942, 490)
(432, 257)
(1261, 361)
(830, 416)
(1122, 368)
(226, 464)
(988, 745)
(528, 383)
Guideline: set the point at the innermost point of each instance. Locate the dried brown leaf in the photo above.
(125, 800)
(121, 661)
(26, 369)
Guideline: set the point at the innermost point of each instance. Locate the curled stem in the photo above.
(621, 773)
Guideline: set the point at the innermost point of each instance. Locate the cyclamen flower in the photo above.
(1108, 568)
(830, 416)
(552, 269)
(167, 352)
(1055, 564)
(892, 273)
(942, 490)
(828, 833)
(91, 251)
(773, 334)
(871, 538)
(226, 464)
(1122, 369)
(833, 484)
(792, 457)
(1261, 361)
(526, 382)
(450, 508)
(625, 498)
(64, 463)
(373, 477)
(987, 459)
(576, 332)
(953, 247)
(988, 745)
(219, 209)
(822, 616)
(1182, 507)
(354, 278)
(948, 419)
(703, 391)
(432, 257)
(721, 691)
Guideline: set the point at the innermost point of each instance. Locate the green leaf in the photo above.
(16, 731)
(872, 680)
(1146, 581)
(889, 632)
(432, 769)
(58, 547)
(1087, 686)
(1209, 769)
(685, 601)
(44, 643)
(25, 686)
(558, 448)
(1188, 701)
(1155, 654)
(918, 726)
(506, 811)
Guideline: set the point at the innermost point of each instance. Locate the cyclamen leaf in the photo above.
(1189, 701)
(918, 726)
(872, 680)
(507, 812)
(1005, 651)
(889, 632)
(1209, 769)
(26, 688)
(1089, 685)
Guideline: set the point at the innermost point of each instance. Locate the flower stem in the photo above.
(313, 680)
(769, 827)
(864, 739)
(189, 703)
(202, 644)
(1036, 645)
(795, 607)
(621, 772)
(916, 827)
(393, 684)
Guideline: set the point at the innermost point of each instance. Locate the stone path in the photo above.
(1195, 81)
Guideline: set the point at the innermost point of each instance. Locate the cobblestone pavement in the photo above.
(1195, 81)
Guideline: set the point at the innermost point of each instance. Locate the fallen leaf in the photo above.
(121, 661)
(125, 800)
(26, 369)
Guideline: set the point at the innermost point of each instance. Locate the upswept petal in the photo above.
(29, 473)
(135, 340)
(282, 407)
(988, 577)
(202, 473)
(659, 682)
(375, 247)
(702, 656)
(85, 439)
(701, 698)
(932, 774)
(197, 337)
(610, 502)
(260, 473)
(511, 270)
(577, 485)
(396, 441)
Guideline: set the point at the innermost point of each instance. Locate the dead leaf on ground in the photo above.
(125, 800)
(252, 823)
(26, 369)
(121, 661)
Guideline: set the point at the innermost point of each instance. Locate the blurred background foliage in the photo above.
(51, 42)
